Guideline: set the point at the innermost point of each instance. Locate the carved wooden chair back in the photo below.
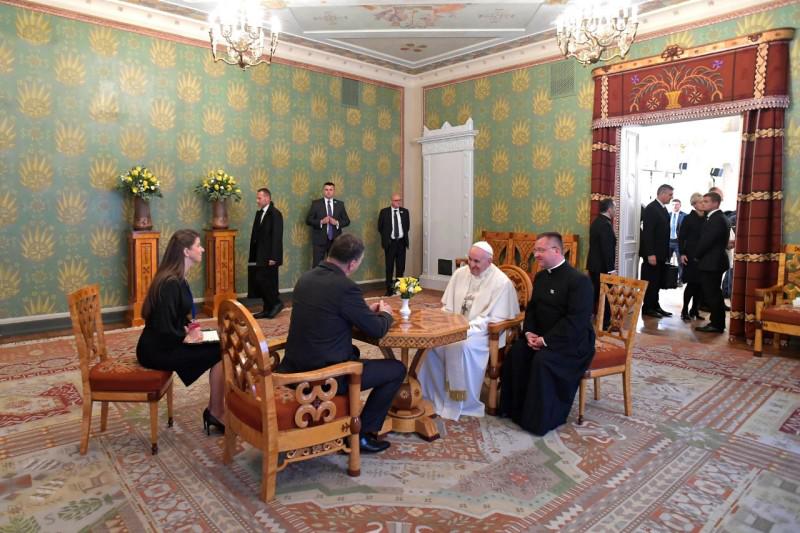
(298, 415)
(500, 241)
(774, 311)
(522, 283)
(111, 379)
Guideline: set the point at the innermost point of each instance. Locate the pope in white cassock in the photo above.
(451, 376)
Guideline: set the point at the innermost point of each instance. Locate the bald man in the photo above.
(451, 376)
(393, 225)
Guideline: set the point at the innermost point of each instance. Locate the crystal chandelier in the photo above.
(592, 31)
(238, 36)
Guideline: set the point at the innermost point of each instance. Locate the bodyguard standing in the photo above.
(393, 225)
(327, 216)
(712, 260)
(602, 251)
(266, 255)
(654, 249)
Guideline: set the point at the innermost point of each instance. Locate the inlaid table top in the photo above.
(425, 328)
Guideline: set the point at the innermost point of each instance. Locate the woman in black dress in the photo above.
(688, 237)
(171, 340)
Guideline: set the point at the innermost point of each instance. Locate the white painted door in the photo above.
(630, 209)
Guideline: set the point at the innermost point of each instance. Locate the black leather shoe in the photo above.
(708, 328)
(685, 317)
(262, 314)
(389, 292)
(210, 421)
(277, 308)
(651, 312)
(663, 313)
(371, 444)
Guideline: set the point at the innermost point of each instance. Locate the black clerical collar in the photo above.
(550, 270)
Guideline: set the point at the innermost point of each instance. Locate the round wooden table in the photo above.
(425, 329)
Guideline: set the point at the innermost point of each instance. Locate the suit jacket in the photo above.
(688, 237)
(266, 238)
(326, 305)
(655, 232)
(319, 235)
(711, 253)
(385, 225)
(602, 245)
(681, 216)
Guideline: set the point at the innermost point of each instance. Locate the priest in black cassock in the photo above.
(544, 367)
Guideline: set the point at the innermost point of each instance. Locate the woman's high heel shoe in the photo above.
(685, 316)
(210, 420)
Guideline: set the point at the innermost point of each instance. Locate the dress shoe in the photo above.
(277, 308)
(389, 292)
(262, 314)
(651, 312)
(708, 328)
(663, 313)
(685, 316)
(369, 444)
(210, 421)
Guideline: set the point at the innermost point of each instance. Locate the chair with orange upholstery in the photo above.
(299, 415)
(774, 309)
(614, 346)
(511, 328)
(107, 379)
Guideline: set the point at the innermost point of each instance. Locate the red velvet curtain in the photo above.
(748, 76)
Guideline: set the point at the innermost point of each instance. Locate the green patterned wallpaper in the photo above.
(80, 103)
(533, 153)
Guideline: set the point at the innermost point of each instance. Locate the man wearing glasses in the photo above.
(544, 368)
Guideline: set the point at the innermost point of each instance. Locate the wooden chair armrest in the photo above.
(276, 343)
(763, 292)
(496, 328)
(333, 371)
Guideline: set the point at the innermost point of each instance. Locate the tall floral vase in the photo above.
(405, 310)
(219, 214)
(141, 214)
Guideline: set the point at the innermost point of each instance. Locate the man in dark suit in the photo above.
(602, 251)
(327, 216)
(326, 305)
(675, 220)
(266, 255)
(712, 260)
(393, 226)
(654, 249)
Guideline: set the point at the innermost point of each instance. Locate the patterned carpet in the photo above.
(714, 444)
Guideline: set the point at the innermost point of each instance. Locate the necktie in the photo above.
(673, 227)
(396, 228)
(261, 218)
(330, 214)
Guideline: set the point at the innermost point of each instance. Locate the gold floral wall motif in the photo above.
(533, 151)
(100, 100)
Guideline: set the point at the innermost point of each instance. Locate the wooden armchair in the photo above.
(774, 310)
(510, 327)
(106, 379)
(614, 346)
(297, 415)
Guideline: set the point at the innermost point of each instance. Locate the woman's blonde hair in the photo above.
(696, 197)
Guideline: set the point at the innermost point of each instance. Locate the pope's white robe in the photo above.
(451, 376)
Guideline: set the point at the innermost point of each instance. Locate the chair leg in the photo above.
(354, 464)
(491, 401)
(103, 416)
(269, 473)
(169, 406)
(626, 391)
(776, 340)
(230, 442)
(596, 389)
(86, 424)
(758, 342)
(154, 426)
(581, 400)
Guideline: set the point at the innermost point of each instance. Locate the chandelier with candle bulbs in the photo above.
(239, 35)
(592, 31)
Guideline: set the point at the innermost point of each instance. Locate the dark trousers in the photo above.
(712, 294)
(692, 293)
(266, 282)
(595, 277)
(395, 261)
(674, 249)
(320, 251)
(384, 377)
(653, 275)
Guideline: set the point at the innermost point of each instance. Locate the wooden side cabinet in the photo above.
(220, 268)
(142, 265)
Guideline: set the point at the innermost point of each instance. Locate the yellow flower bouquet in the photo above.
(407, 287)
(140, 182)
(219, 185)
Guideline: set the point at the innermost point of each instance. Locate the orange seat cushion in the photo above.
(785, 314)
(125, 374)
(607, 354)
(248, 409)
